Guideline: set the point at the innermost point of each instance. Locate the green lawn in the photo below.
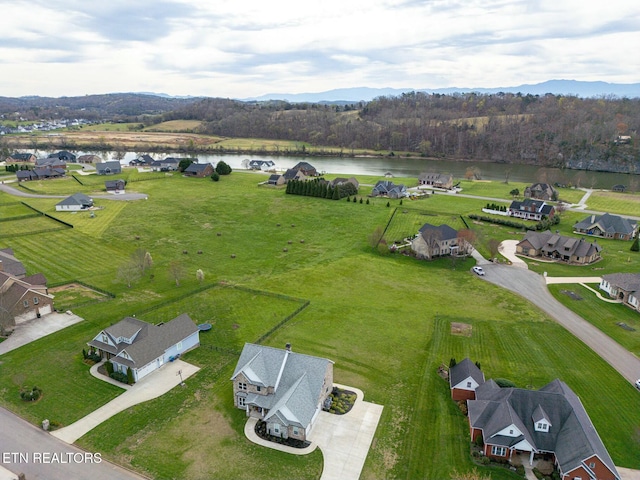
(605, 316)
(613, 202)
(384, 321)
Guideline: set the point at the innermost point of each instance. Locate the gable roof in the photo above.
(548, 243)
(532, 205)
(11, 264)
(197, 167)
(608, 223)
(77, 199)
(629, 282)
(572, 436)
(445, 232)
(149, 341)
(463, 370)
(111, 165)
(297, 380)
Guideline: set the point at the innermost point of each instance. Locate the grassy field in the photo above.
(175, 126)
(385, 320)
(614, 202)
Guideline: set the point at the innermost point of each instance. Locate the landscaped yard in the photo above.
(384, 320)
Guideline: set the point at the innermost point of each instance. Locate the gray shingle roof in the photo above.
(77, 199)
(11, 264)
(629, 282)
(150, 342)
(572, 436)
(463, 370)
(445, 233)
(607, 223)
(297, 380)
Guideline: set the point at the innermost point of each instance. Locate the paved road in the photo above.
(29, 450)
(532, 286)
(20, 193)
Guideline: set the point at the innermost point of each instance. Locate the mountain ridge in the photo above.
(556, 87)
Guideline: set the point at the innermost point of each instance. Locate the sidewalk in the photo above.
(152, 386)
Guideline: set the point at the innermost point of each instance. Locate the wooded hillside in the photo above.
(510, 128)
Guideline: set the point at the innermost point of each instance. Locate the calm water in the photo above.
(413, 167)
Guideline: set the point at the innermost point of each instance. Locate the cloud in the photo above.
(226, 49)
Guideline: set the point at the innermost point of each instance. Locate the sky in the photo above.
(246, 48)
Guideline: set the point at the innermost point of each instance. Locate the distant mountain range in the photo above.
(556, 87)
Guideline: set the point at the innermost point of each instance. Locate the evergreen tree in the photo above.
(635, 246)
(130, 379)
(336, 193)
(223, 168)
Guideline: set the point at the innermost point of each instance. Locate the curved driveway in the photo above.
(532, 287)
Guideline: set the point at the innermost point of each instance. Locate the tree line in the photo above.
(511, 128)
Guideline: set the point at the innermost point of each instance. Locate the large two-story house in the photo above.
(530, 209)
(547, 422)
(283, 388)
(435, 241)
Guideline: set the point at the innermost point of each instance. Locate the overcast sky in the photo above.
(239, 48)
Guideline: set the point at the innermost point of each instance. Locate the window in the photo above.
(26, 303)
(296, 431)
(241, 402)
(104, 338)
(258, 388)
(468, 384)
(541, 426)
(592, 465)
(498, 451)
(35, 300)
(179, 346)
(242, 386)
(510, 432)
(276, 428)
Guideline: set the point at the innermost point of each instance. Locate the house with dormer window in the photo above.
(145, 347)
(558, 247)
(283, 388)
(549, 422)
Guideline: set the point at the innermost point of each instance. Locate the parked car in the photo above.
(478, 271)
(638, 384)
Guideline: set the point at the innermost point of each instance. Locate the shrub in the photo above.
(462, 405)
(215, 176)
(130, 379)
(538, 473)
(504, 383)
(635, 246)
(109, 367)
(479, 441)
(119, 377)
(485, 460)
(31, 395)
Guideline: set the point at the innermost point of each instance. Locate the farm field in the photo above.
(385, 320)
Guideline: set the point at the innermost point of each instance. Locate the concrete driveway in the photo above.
(153, 385)
(344, 439)
(37, 328)
(508, 250)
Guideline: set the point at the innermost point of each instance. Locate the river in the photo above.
(413, 167)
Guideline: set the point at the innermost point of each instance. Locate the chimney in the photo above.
(1, 267)
(288, 347)
(593, 218)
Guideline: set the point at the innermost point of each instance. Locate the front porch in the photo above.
(530, 460)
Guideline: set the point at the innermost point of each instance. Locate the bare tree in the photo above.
(128, 273)
(494, 246)
(466, 240)
(176, 272)
(142, 260)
